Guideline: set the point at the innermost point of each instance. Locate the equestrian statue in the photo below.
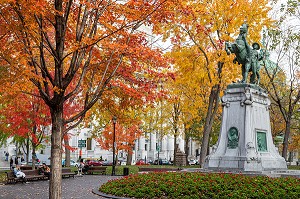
(245, 55)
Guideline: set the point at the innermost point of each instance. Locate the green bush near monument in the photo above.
(202, 185)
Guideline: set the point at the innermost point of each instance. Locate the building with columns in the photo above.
(148, 147)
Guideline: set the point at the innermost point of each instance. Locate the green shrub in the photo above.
(200, 185)
(2, 177)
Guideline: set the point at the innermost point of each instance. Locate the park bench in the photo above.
(30, 175)
(157, 169)
(97, 169)
(66, 172)
(25, 167)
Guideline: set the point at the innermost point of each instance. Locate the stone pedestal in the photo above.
(245, 141)
(180, 158)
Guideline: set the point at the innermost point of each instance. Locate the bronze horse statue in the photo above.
(245, 55)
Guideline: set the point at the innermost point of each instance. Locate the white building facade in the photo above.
(148, 147)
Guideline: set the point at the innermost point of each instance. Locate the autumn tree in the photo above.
(126, 109)
(125, 137)
(26, 118)
(295, 135)
(94, 45)
(283, 77)
(181, 110)
(200, 30)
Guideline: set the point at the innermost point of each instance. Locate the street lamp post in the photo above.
(113, 172)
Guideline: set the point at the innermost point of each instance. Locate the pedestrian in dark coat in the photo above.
(16, 161)
(11, 162)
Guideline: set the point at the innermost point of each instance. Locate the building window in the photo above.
(89, 144)
(42, 151)
(145, 147)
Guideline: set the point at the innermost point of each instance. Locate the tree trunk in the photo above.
(211, 112)
(27, 150)
(34, 129)
(129, 158)
(67, 151)
(175, 149)
(286, 138)
(176, 113)
(186, 148)
(55, 191)
(33, 156)
(207, 149)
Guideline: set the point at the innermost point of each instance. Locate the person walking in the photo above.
(16, 161)
(80, 167)
(6, 156)
(11, 162)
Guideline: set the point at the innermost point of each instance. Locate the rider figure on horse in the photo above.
(242, 42)
(245, 55)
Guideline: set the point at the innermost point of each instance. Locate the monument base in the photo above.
(245, 142)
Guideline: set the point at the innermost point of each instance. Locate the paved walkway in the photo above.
(3, 164)
(72, 188)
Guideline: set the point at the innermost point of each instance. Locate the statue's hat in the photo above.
(256, 44)
(244, 27)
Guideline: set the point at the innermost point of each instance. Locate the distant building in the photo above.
(147, 147)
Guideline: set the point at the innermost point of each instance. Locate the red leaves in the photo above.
(25, 116)
(124, 137)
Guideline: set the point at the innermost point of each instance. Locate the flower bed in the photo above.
(200, 185)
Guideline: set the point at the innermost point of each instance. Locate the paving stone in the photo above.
(72, 188)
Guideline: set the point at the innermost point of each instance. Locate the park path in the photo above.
(72, 188)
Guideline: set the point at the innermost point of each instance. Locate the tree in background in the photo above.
(94, 45)
(26, 118)
(198, 31)
(282, 81)
(125, 137)
(294, 145)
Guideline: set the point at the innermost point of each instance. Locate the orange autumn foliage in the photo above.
(25, 116)
(78, 51)
(124, 136)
